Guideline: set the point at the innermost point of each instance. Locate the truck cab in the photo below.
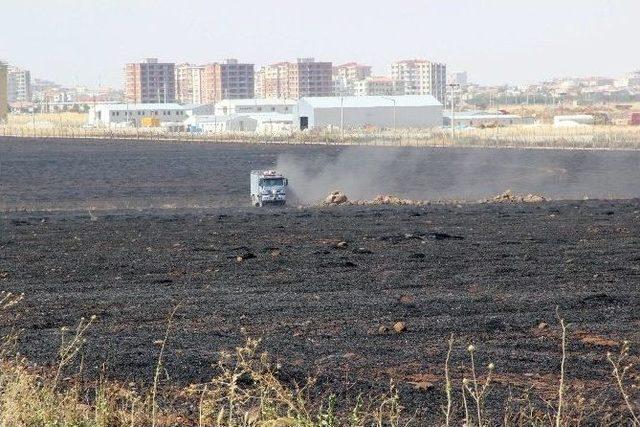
(268, 187)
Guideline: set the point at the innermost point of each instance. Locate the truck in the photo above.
(268, 187)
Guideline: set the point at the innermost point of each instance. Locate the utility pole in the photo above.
(394, 114)
(394, 110)
(453, 101)
(342, 118)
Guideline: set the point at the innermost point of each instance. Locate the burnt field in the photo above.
(488, 273)
(51, 174)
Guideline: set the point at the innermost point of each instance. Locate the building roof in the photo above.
(140, 107)
(352, 64)
(416, 61)
(371, 101)
(257, 102)
(262, 117)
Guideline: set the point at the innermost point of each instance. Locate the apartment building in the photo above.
(345, 77)
(189, 83)
(227, 80)
(352, 71)
(305, 77)
(272, 81)
(458, 77)
(311, 78)
(421, 77)
(3, 93)
(19, 85)
(150, 82)
(377, 86)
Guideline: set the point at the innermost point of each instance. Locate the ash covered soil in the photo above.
(488, 273)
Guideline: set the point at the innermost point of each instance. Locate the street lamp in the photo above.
(453, 99)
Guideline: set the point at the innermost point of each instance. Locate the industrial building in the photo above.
(136, 115)
(4, 103)
(150, 82)
(19, 85)
(199, 109)
(263, 123)
(406, 111)
(306, 77)
(230, 107)
(421, 77)
(485, 119)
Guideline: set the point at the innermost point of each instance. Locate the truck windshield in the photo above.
(273, 182)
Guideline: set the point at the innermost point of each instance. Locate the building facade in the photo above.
(227, 80)
(421, 77)
(311, 78)
(189, 83)
(305, 77)
(150, 82)
(4, 107)
(229, 107)
(458, 77)
(416, 111)
(272, 81)
(345, 77)
(19, 85)
(135, 114)
(377, 86)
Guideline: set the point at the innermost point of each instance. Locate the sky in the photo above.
(87, 42)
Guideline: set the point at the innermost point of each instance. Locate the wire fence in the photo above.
(532, 136)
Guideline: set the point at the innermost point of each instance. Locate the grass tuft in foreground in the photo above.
(247, 390)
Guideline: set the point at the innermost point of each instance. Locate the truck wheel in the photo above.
(257, 204)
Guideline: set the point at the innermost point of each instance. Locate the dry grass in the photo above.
(69, 125)
(246, 390)
(47, 120)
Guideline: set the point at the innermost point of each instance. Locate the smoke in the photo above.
(361, 173)
(458, 174)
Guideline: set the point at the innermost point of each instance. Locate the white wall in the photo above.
(112, 116)
(356, 117)
(228, 109)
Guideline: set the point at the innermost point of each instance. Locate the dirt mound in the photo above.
(336, 198)
(511, 197)
(339, 198)
(386, 199)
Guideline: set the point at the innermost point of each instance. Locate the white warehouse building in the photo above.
(262, 123)
(406, 111)
(132, 114)
(229, 107)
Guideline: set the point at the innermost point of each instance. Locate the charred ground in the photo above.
(490, 274)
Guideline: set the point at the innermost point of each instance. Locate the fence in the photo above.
(536, 136)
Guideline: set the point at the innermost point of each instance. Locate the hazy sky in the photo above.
(496, 41)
